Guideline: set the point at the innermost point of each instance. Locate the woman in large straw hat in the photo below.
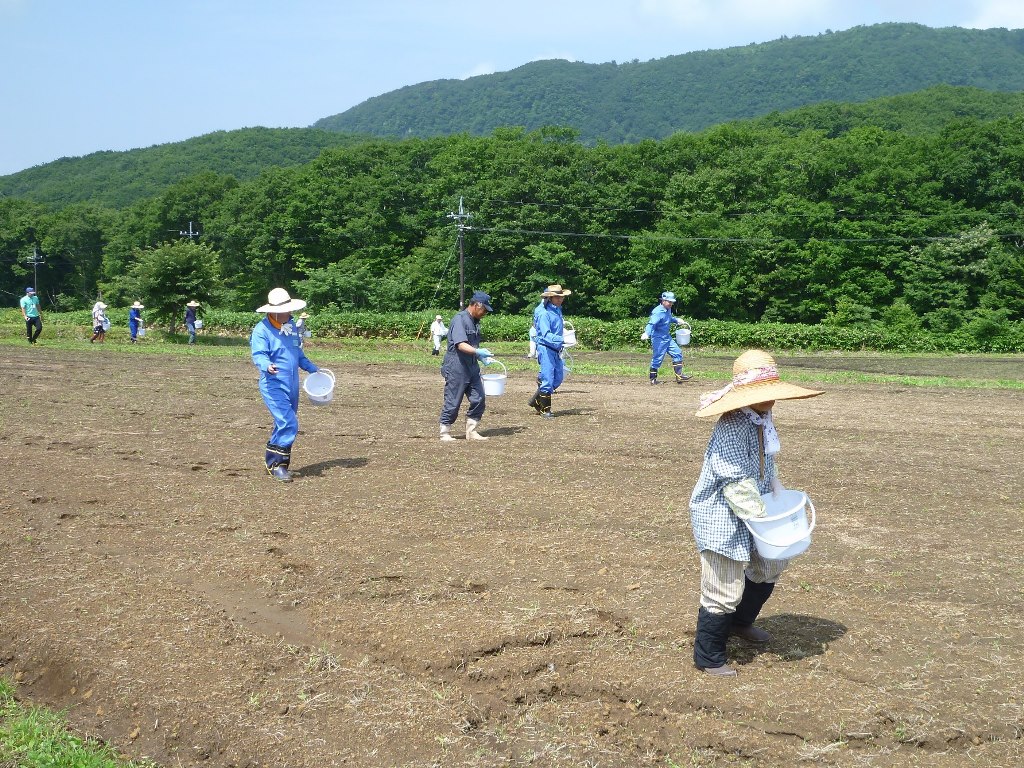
(739, 466)
(277, 353)
(547, 319)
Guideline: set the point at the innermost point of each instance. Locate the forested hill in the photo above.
(120, 178)
(632, 101)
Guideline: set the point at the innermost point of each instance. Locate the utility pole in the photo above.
(35, 260)
(459, 218)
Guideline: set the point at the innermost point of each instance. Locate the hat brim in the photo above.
(279, 309)
(550, 294)
(192, 304)
(752, 394)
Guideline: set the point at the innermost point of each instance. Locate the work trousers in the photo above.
(722, 578)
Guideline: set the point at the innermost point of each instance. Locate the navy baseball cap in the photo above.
(30, 289)
(479, 297)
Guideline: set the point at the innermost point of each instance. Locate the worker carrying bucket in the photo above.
(738, 477)
(657, 330)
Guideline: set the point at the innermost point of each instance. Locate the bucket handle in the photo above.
(685, 325)
(794, 541)
(329, 373)
(504, 370)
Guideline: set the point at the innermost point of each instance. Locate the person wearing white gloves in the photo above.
(659, 332)
(739, 466)
(461, 368)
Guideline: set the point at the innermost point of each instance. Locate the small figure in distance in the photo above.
(190, 320)
(657, 331)
(100, 323)
(547, 319)
(135, 320)
(30, 311)
(437, 332)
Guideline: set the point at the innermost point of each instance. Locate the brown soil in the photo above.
(530, 600)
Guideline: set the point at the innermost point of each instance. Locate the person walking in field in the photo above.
(659, 332)
(30, 311)
(739, 466)
(135, 320)
(277, 354)
(100, 323)
(547, 320)
(437, 332)
(461, 369)
(301, 329)
(190, 320)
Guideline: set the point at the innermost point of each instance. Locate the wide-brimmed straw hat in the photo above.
(279, 302)
(192, 303)
(556, 290)
(438, 317)
(138, 305)
(755, 379)
(101, 305)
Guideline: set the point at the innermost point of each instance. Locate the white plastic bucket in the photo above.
(142, 331)
(199, 325)
(319, 387)
(494, 383)
(105, 324)
(568, 335)
(683, 334)
(784, 533)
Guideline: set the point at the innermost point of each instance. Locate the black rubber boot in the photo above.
(534, 402)
(709, 645)
(680, 376)
(754, 597)
(653, 373)
(544, 400)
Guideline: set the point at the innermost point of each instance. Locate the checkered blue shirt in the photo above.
(733, 454)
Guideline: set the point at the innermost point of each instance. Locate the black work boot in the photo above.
(653, 373)
(709, 645)
(534, 402)
(544, 400)
(754, 597)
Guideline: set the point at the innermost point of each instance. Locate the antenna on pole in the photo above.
(189, 233)
(459, 218)
(35, 260)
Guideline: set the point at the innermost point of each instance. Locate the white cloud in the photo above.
(998, 13)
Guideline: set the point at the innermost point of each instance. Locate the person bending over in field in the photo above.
(277, 352)
(739, 466)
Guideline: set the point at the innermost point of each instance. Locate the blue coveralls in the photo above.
(134, 318)
(280, 390)
(661, 339)
(547, 319)
(461, 371)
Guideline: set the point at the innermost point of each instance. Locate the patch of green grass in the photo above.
(33, 736)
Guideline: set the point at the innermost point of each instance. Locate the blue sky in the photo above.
(81, 76)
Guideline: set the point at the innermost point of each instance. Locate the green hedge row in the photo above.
(976, 336)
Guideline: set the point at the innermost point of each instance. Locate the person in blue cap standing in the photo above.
(658, 331)
(461, 368)
(30, 311)
(278, 355)
(547, 319)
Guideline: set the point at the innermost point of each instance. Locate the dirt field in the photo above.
(530, 600)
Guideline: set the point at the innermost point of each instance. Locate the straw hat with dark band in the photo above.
(755, 379)
(555, 290)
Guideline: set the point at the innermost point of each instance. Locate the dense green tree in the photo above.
(167, 276)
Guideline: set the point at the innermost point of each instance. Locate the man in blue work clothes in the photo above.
(30, 311)
(547, 319)
(461, 368)
(658, 332)
(277, 353)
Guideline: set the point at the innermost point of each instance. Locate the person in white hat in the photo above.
(547, 319)
(135, 320)
(278, 355)
(739, 466)
(662, 343)
(99, 322)
(190, 320)
(437, 332)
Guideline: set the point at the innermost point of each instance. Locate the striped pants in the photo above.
(722, 579)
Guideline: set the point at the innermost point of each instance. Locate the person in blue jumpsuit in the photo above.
(276, 352)
(135, 319)
(547, 319)
(658, 331)
(461, 368)
(190, 320)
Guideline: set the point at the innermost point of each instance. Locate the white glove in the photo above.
(681, 322)
(644, 336)
(777, 487)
